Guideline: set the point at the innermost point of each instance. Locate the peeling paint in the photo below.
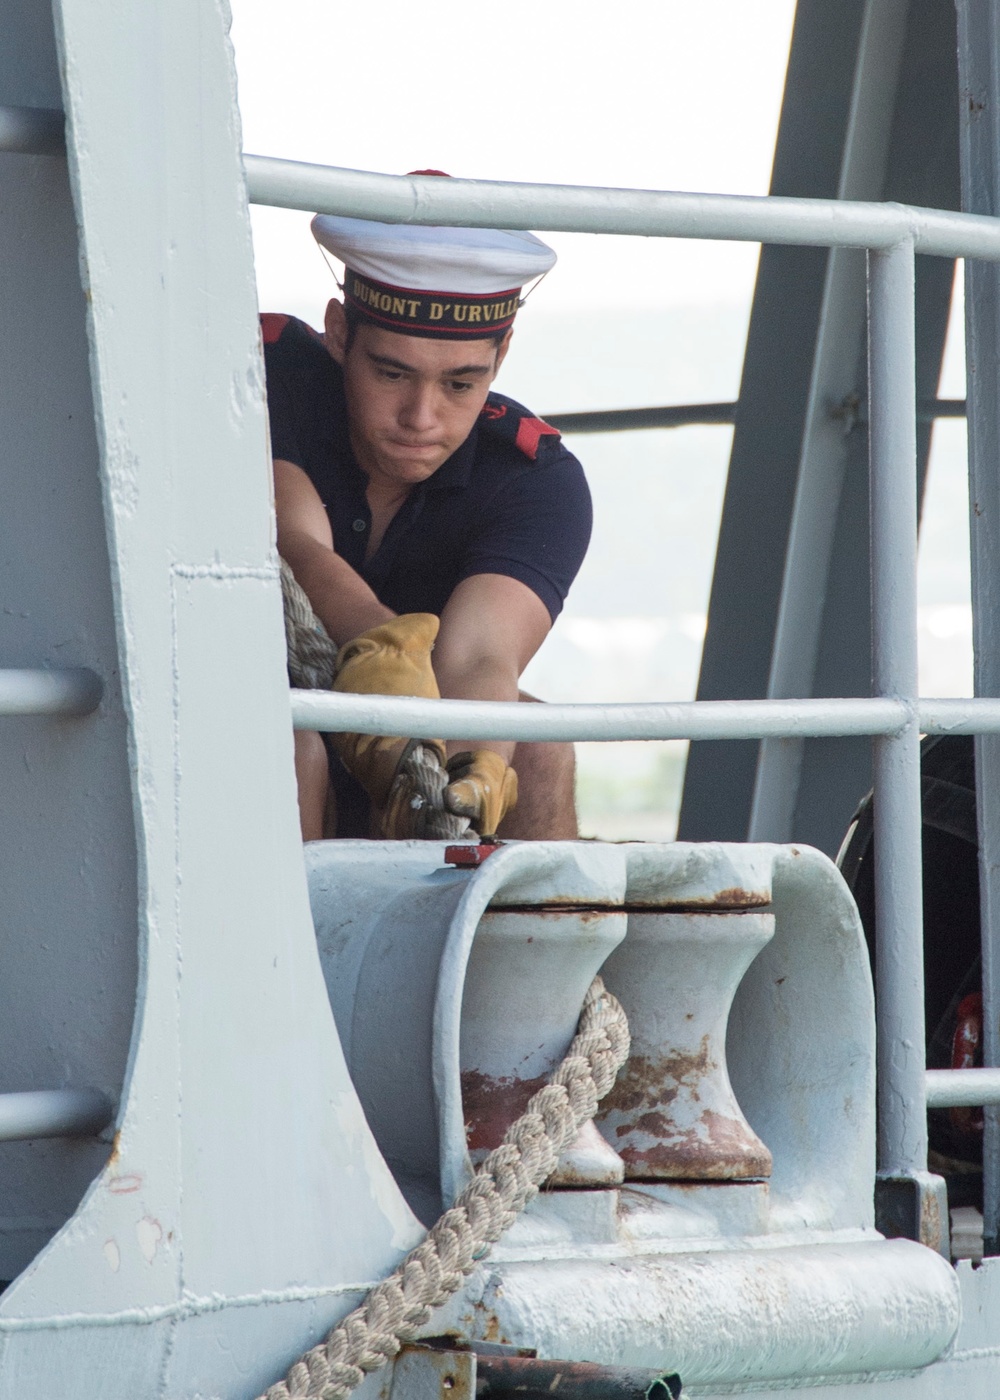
(652, 1116)
(149, 1233)
(491, 1104)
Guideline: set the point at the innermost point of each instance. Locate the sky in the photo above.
(656, 94)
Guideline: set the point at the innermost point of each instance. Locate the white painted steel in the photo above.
(75, 691)
(36, 131)
(496, 719)
(731, 1282)
(244, 1206)
(897, 812)
(394, 199)
(801, 1044)
(962, 1088)
(48, 1113)
(733, 1317)
(979, 78)
(68, 951)
(689, 719)
(979, 716)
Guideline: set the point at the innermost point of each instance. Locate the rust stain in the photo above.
(492, 1104)
(124, 1185)
(930, 1221)
(729, 901)
(717, 1149)
(116, 1147)
(652, 1123)
(557, 908)
(651, 1084)
(734, 900)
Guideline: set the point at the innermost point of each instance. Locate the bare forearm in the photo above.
(481, 678)
(341, 599)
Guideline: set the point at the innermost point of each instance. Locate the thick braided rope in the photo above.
(421, 772)
(312, 665)
(312, 655)
(397, 1308)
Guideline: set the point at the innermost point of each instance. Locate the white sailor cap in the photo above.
(429, 281)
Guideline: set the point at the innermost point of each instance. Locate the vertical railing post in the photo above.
(979, 84)
(908, 1201)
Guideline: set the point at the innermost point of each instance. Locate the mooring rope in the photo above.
(396, 1309)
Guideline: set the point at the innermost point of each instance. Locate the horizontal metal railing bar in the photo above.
(73, 691)
(33, 131)
(689, 719)
(694, 719)
(979, 716)
(416, 199)
(291, 184)
(46, 1113)
(623, 420)
(962, 1088)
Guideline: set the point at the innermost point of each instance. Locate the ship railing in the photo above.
(891, 235)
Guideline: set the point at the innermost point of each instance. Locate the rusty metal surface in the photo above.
(672, 1114)
(492, 1102)
(527, 974)
(429, 1373)
(651, 1142)
(529, 1378)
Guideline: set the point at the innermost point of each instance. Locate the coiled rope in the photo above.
(397, 1308)
(312, 665)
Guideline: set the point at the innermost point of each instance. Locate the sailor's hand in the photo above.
(393, 658)
(482, 787)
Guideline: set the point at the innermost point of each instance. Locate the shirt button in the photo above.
(360, 524)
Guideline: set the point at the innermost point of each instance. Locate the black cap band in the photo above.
(442, 315)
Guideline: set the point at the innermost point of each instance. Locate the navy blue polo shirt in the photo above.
(511, 500)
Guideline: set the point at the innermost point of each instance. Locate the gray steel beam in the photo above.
(799, 480)
(770, 421)
(824, 451)
(922, 164)
(979, 71)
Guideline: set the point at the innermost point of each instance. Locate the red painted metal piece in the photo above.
(967, 1053)
(470, 855)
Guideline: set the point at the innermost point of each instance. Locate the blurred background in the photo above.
(673, 96)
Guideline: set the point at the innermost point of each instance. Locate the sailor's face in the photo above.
(411, 402)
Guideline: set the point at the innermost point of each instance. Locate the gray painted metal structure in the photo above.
(979, 71)
(894, 234)
(870, 112)
(214, 869)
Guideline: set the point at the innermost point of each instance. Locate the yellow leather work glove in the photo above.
(391, 659)
(482, 787)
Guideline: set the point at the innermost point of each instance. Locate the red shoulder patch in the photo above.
(271, 326)
(529, 433)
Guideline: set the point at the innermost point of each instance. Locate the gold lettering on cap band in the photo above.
(401, 308)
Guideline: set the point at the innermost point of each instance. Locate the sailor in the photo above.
(423, 513)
